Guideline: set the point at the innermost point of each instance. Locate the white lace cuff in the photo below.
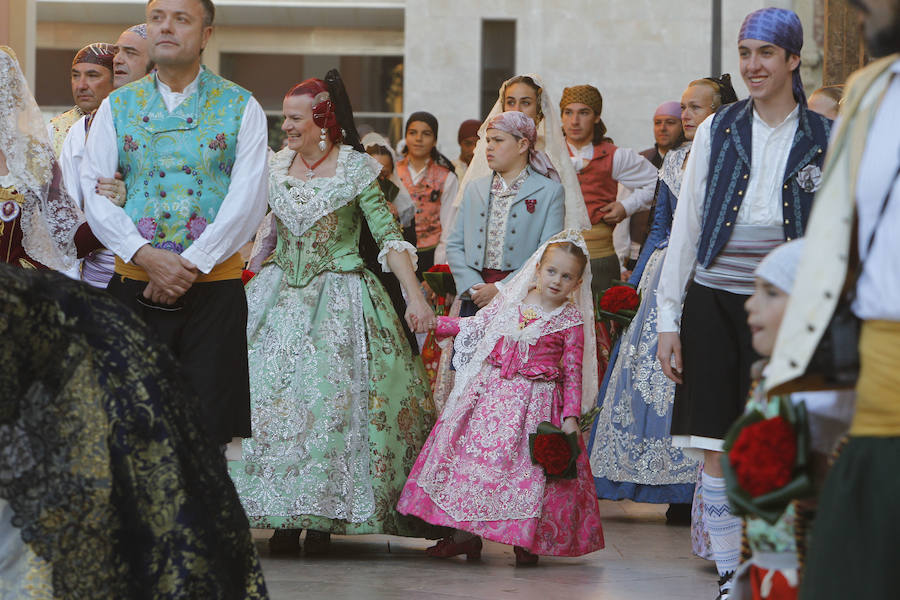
(399, 246)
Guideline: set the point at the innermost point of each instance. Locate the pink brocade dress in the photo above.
(475, 471)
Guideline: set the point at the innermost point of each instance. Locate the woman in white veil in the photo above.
(39, 219)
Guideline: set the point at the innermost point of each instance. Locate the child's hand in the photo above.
(570, 425)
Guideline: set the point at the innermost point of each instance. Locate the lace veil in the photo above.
(479, 334)
(551, 141)
(49, 216)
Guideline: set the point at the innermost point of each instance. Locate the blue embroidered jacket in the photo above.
(729, 171)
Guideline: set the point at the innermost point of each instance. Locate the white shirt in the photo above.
(70, 160)
(629, 169)
(878, 289)
(771, 147)
(448, 196)
(241, 210)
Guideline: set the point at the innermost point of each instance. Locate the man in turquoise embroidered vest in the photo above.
(192, 149)
(748, 186)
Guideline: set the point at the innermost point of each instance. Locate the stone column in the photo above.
(18, 20)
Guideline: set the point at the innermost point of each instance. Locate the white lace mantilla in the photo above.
(299, 204)
(672, 170)
(49, 216)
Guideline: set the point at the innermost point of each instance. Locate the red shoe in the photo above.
(446, 548)
(524, 558)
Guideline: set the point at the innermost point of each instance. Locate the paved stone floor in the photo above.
(643, 559)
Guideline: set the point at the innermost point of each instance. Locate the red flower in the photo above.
(530, 204)
(439, 269)
(247, 276)
(552, 451)
(763, 456)
(619, 297)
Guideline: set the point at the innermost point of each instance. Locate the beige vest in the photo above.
(823, 268)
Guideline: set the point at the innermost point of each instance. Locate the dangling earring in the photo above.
(322, 144)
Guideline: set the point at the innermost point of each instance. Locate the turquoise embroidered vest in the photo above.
(177, 166)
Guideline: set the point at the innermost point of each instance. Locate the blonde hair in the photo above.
(712, 85)
(568, 248)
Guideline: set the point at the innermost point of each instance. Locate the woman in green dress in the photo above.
(340, 408)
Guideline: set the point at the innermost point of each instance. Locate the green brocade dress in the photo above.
(339, 406)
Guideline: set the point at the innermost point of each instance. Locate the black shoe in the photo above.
(725, 584)
(285, 541)
(317, 542)
(678, 514)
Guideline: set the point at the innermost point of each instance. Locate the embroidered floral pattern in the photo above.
(170, 246)
(146, 226)
(128, 144)
(631, 441)
(195, 225)
(219, 143)
(339, 406)
(475, 472)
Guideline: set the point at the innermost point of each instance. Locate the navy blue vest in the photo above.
(729, 172)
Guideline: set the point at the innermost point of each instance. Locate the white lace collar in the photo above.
(672, 169)
(300, 203)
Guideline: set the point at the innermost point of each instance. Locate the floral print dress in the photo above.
(475, 472)
(339, 406)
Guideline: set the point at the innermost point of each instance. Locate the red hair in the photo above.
(324, 115)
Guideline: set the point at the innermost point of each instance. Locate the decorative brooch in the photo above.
(9, 210)
(810, 178)
(530, 204)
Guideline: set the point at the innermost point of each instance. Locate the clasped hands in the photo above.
(419, 316)
(171, 276)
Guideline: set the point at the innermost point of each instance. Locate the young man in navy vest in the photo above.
(748, 187)
(192, 149)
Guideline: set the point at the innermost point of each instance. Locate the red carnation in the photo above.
(619, 297)
(763, 456)
(552, 451)
(439, 269)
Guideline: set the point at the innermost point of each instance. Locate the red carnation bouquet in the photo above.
(554, 450)
(615, 309)
(440, 280)
(766, 463)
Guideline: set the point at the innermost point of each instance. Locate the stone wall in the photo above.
(639, 53)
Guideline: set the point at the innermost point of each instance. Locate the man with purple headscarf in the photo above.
(130, 62)
(748, 186)
(92, 81)
(667, 134)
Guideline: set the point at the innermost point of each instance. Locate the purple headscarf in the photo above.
(668, 109)
(520, 125)
(781, 27)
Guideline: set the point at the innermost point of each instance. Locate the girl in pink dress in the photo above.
(520, 361)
